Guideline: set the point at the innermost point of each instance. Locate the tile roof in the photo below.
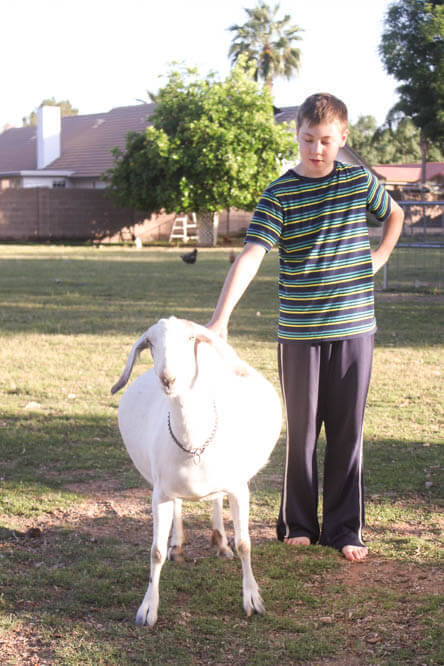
(408, 173)
(87, 141)
(286, 114)
(18, 149)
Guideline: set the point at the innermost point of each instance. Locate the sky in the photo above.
(101, 54)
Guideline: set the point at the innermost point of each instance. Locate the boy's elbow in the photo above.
(397, 212)
(254, 250)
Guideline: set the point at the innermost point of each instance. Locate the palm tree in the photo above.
(267, 42)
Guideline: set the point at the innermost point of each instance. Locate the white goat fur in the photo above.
(195, 376)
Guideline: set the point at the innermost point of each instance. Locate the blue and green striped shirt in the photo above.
(320, 226)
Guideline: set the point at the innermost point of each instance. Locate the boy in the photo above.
(316, 213)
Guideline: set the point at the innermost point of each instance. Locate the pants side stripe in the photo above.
(284, 491)
(361, 499)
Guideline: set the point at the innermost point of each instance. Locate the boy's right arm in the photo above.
(239, 277)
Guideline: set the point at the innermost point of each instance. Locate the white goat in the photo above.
(197, 426)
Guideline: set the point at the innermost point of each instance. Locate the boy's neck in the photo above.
(300, 170)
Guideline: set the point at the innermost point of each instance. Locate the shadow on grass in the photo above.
(78, 587)
(82, 589)
(126, 293)
(55, 450)
(58, 449)
(119, 296)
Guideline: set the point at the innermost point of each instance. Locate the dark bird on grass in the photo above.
(232, 257)
(190, 257)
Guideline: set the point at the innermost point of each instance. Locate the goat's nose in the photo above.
(167, 380)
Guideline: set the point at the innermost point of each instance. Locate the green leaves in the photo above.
(412, 50)
(397, 141)
(212, 145)
(264, 42)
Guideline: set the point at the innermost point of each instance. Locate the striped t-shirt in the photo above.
(320, 226)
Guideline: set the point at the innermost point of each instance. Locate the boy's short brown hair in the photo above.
(322, 108)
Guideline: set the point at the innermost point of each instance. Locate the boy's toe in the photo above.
(297, 541)
(355, 553)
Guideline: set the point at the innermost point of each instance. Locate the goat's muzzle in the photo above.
(167, 382)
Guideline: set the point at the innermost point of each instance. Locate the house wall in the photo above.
(58, 214)
(33, 181)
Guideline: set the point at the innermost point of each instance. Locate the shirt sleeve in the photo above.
(378, 200)
(266, 224)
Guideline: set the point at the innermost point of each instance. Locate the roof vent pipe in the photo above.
(48, 135)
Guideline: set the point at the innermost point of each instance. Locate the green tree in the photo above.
(412, 50)
(267, 42)
(361, 138)
(65, 106)
(212, 145)
(395, 142)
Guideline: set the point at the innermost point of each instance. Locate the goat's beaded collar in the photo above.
(198, 451)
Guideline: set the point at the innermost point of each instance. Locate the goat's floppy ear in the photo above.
(225, 350)
(141, 344)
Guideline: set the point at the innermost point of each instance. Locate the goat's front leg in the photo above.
(162, 518)
(218, 535)
(175, 551)
(239, 504)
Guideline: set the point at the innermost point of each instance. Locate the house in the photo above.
(74, 151)
(69, 152)
(408, 176)
(52, 187)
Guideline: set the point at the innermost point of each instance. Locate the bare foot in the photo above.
(298, 541)
(355, 553)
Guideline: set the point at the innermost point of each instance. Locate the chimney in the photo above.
(48, 135)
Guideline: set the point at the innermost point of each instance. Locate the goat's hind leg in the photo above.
(239, 504)
(162, 518)
(218, 535)
(175, 551)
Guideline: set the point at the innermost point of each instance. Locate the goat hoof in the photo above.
(175, 554)
(254, 605)
(225, 553)
(145, 618)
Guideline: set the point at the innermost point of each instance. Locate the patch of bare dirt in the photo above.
(107, 511)
(21, 647)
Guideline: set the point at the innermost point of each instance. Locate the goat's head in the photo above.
(173, 343)
(174, 348)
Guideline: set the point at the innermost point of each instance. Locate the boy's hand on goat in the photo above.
(218, 328)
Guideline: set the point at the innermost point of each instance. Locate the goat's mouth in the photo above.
(168, 389)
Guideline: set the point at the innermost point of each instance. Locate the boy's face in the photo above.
(319, 146)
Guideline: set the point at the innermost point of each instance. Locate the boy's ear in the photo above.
(345, 134)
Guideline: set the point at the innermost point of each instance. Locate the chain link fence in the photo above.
(417, 261)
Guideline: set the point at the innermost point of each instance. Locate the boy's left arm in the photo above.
(391, 232)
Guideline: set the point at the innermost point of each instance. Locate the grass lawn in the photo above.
(75, 518)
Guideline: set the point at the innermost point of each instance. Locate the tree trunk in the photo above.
(207, 226)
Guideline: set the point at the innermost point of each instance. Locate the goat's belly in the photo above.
(196, 482)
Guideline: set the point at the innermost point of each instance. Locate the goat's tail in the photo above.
(141, 344)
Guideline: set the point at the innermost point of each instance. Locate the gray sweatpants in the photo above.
(324, 382)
